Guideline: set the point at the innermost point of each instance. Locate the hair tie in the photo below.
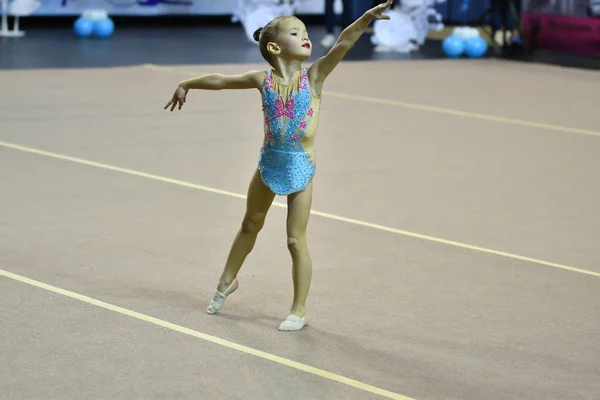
(256, 35)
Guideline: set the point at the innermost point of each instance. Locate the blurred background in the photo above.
(101, 33)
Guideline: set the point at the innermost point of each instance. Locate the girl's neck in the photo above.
(286, 70)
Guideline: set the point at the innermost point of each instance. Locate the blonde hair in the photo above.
(267, 34)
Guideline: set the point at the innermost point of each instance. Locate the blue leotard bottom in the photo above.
(285, 172)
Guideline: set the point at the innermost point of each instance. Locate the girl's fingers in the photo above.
(175, 102)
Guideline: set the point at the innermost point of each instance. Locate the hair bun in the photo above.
(256, 35)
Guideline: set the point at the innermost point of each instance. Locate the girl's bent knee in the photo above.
(252, 225)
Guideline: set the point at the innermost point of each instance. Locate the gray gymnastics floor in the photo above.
(454, 237)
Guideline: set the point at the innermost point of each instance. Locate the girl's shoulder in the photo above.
(259, 76)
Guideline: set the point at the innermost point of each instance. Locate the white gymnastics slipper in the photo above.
(219, 298)
(293, 323)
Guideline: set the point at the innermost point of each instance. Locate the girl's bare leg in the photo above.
(258, 202)
(299, 205)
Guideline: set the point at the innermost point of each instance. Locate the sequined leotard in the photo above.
(287, 160)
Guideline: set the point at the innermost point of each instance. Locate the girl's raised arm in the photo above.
(321, 69)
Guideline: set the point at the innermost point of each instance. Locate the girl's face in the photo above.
(293, 39)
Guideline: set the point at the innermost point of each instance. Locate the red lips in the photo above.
(307, 45)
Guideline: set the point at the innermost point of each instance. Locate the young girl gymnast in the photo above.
(291, 98)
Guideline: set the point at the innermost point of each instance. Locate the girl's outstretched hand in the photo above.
(377, 11)
(178, 99)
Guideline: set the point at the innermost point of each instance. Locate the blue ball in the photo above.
(453, 46)
(476, 47)
(104, 27)
(83, 27)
